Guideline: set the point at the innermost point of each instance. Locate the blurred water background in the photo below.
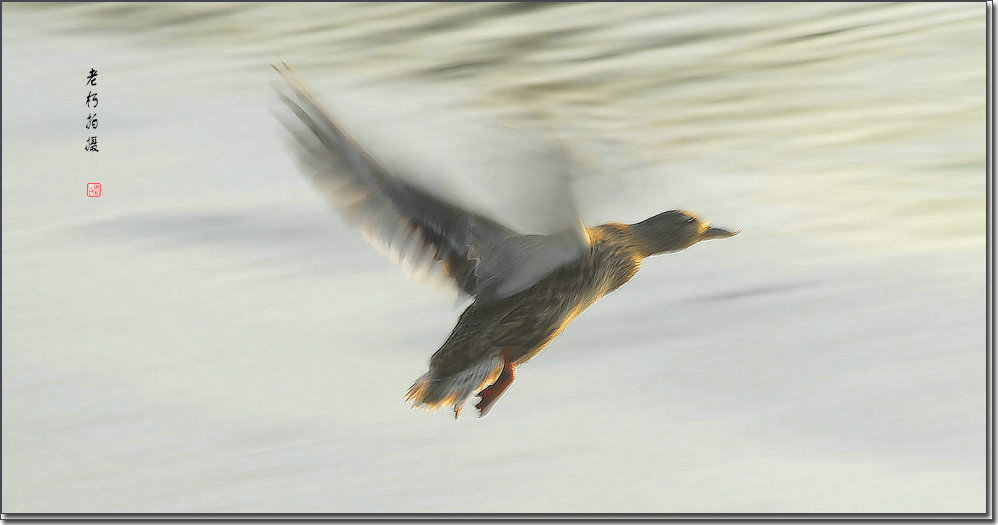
(208, 337)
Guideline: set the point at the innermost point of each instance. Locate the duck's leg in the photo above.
(492, 392)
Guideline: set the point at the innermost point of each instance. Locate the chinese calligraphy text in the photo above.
(91, 142)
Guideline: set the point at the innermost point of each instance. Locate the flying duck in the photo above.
(526, 287)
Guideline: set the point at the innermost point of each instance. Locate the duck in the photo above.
(525, 287)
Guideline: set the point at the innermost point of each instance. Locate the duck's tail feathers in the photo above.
(434, 392)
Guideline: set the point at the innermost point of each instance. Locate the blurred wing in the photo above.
(423, 233)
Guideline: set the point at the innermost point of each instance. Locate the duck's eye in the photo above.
(691, 219)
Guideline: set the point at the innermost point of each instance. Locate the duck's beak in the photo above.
(718, 233)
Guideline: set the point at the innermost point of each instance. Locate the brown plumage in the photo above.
(527, 288)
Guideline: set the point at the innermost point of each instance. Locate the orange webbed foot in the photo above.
(491, 393)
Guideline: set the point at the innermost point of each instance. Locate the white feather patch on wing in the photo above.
(389, 232)
(354, 184)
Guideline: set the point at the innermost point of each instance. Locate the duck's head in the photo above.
(675, 230)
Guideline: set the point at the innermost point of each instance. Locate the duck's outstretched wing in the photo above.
(424, 233)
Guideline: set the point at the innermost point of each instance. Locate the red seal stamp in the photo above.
(93, 189)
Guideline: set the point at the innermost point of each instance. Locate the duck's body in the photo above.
(527, 288)
(524, 323)
(494, 336)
